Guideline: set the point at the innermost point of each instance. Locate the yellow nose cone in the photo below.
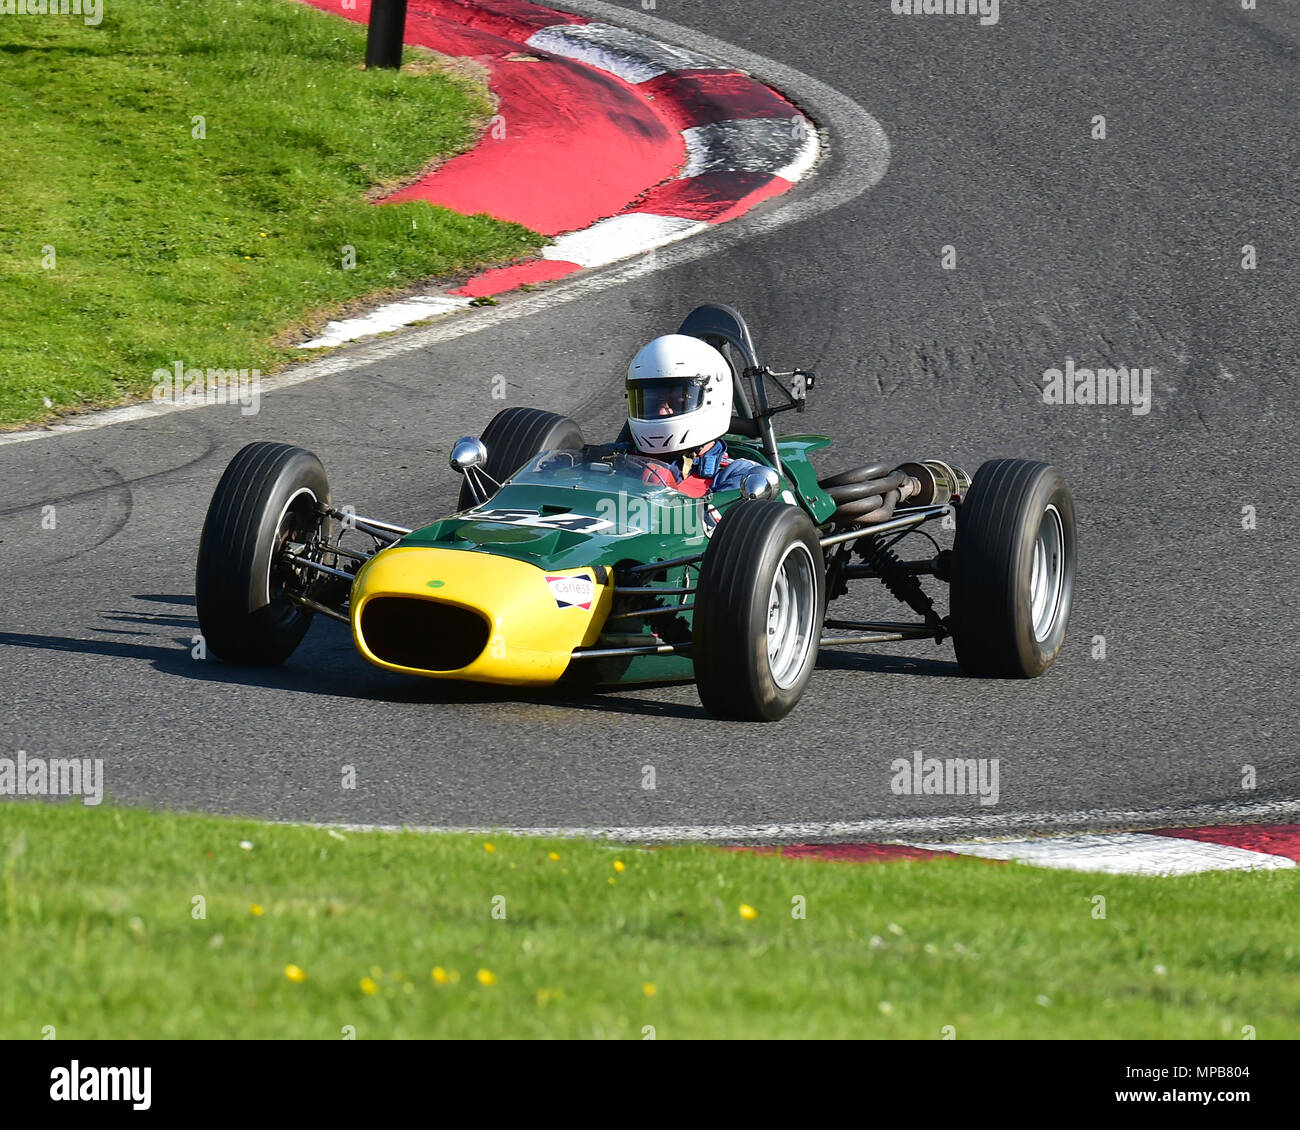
(459, 614)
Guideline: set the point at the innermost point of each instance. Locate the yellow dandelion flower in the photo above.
(486, 977)
(439, 976)
(255, 910)
(747, 912)
(295, 974)
(369, 987)
(554, 855)
(489, 847)
(648, 988)
(619, 865)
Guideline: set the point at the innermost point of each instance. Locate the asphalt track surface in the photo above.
(1123, 251)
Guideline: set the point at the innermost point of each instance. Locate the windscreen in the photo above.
(608, 473)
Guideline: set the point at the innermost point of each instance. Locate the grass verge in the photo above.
(394, 935)
(129, 242)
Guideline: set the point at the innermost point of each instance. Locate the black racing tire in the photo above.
(269, 492)
(735, 673)
(1013, 570)
(516, 435)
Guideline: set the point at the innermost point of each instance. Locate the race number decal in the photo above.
(572, 592)
(574, 523)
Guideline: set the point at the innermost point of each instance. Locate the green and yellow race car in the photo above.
(577, 565)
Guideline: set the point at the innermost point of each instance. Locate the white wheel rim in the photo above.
(791, 616)
(1047, 575)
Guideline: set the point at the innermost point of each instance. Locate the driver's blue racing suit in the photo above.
(714, 470)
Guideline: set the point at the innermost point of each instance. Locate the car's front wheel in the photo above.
(271, 494)
(758, 612)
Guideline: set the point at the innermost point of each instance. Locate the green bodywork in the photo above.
(573, 516)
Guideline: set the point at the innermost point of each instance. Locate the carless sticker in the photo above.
(572, 592)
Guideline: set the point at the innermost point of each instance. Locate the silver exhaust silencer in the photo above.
(940, 482)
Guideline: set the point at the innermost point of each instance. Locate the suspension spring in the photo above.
(900, 584)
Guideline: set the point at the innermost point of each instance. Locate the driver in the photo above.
(678, 408)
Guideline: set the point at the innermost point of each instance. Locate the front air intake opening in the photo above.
(424, 634)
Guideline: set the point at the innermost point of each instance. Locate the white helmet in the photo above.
(678, 395)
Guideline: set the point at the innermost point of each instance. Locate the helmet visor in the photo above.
(650, 400)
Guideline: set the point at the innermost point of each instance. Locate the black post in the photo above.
(387, 29)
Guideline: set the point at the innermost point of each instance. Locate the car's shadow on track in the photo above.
(874, 662)
(327, 665)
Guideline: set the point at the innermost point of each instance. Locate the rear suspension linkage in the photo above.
(901, 583)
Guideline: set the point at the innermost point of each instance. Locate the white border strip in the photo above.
(883, 829)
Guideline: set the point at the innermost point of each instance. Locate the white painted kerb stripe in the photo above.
(620, 238)
(1129, 853)
(804, 160)
(628, 55)
(784, 147)
(390, 317)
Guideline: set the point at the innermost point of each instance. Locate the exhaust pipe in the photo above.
(938, 482)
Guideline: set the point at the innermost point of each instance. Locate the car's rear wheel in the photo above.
(516, 435)
(1013, 570)
(271, 494)
(758, 612)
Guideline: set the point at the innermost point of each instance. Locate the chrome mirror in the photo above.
(468, 452)
(762, 483)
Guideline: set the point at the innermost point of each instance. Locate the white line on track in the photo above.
(855, 159)
(886, 829)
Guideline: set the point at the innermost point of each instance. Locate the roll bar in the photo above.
(724, 328)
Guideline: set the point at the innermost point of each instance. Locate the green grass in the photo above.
(171, 248)
(98, 939)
